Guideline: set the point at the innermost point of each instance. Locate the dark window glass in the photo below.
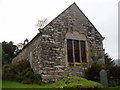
(76, 51)
(69, 50)
(83, 51)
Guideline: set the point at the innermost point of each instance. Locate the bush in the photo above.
(114, 72)
(8, 72)
(113, 83)
(92, 73)
(37, 79)
(20, 71)
(114, 76)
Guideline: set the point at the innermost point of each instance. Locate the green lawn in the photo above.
(65, 82)
(14, 84)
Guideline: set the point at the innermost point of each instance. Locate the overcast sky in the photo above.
(18, 18)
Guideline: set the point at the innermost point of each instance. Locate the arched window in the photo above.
(76, 48)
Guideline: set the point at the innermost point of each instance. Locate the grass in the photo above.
(67, 82)
(14, 84)
(76, 82)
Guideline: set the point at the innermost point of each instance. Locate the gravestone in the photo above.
(103, 78)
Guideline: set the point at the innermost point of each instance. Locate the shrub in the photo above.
(8, 72)
(37, 79)
(114, 76)
(113, 83)
(114, 72)
(20, 71)
(92, 73)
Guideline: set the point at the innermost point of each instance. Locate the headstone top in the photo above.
(103, 78)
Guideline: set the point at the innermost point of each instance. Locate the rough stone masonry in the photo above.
(48, 50)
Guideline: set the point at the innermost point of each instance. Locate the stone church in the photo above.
(64, 46)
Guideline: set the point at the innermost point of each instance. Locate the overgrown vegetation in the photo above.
(9, 51)
(109, 62)
(92, 73)
(113, 72)
(20, 71)
(114, 76)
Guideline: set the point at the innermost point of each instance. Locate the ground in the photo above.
(67, 82)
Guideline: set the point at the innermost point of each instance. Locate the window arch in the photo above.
(76, 48)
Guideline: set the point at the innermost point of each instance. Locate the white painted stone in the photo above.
(45, 35)
(59, 66)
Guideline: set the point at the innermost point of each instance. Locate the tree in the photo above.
(9, 50)
(95, 55)
(108, 60)
(41, 23)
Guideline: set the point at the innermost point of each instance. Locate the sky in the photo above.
(18, 18)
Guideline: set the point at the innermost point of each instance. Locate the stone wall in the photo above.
(35, 47)
(54, 45)
(49, 48)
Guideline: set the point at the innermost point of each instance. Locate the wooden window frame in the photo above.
(75, 63)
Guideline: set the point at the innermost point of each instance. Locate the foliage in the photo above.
(92, 73)
(113, 72)
(8, 72)
(41, 23)
(109, 62)
(9, 51)
(67, 82)
(20, 71)
(5, 58)
(114, 76)
(96, 56)
(113, 83)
